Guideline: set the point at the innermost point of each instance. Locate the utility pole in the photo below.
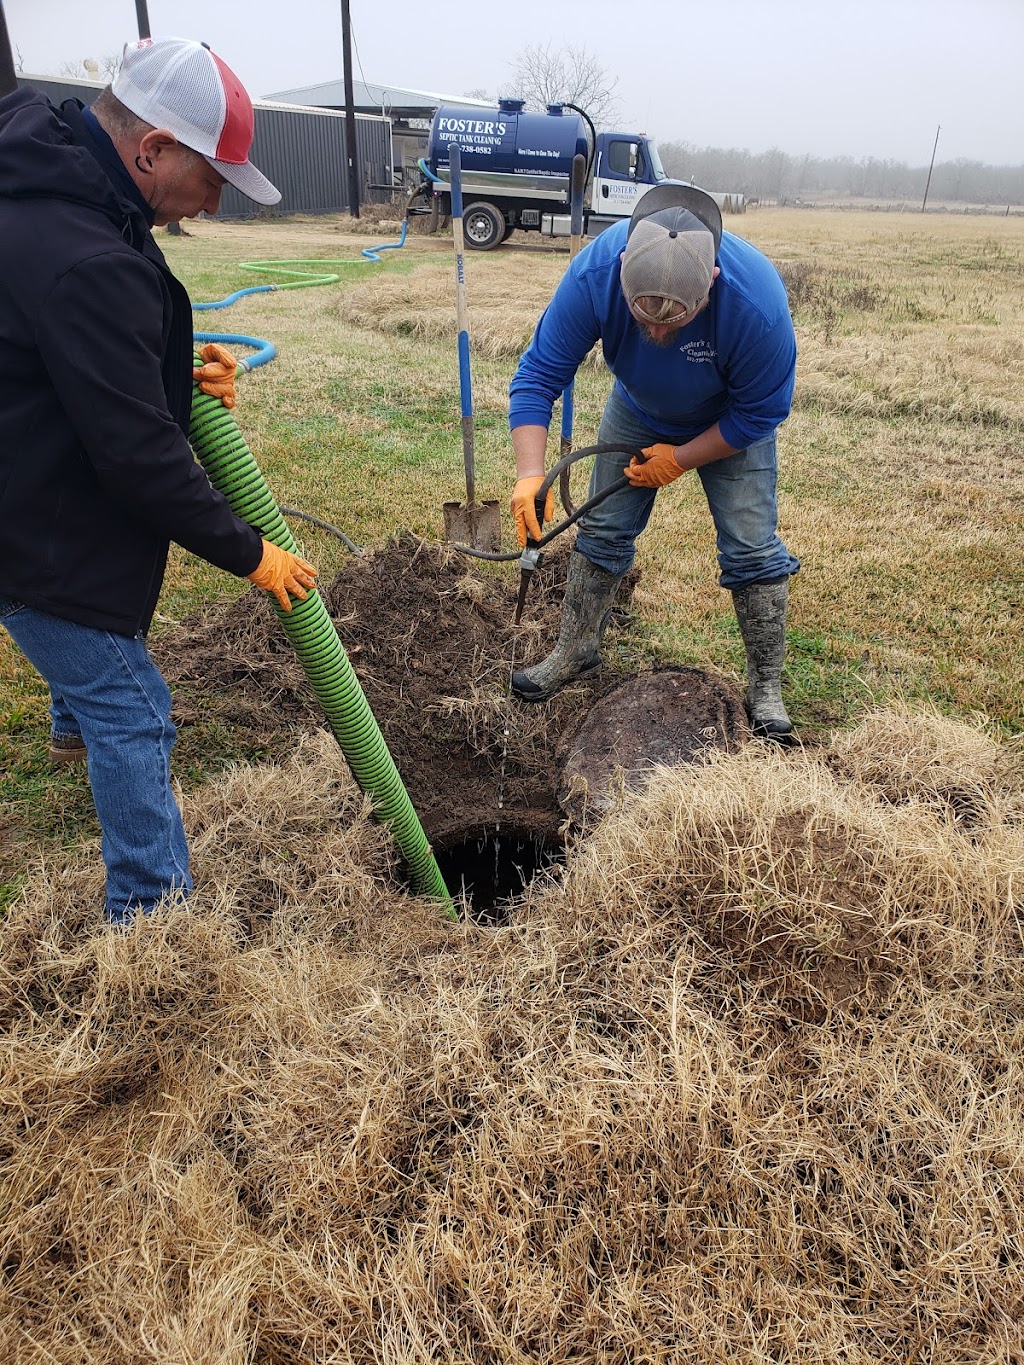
(142, 20)
(8, 76)
(938, 130)
(350, 113)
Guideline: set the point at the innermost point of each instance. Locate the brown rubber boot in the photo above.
(589, 594)
(67, 749)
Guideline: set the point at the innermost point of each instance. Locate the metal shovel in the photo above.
(471, 523)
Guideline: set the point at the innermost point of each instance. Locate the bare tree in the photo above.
(89, 69)
(543, 76)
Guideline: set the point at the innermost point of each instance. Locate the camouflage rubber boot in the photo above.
(589, 594)
(761, 612)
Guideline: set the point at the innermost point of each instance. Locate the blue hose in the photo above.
(371, 255)
(265, 350)
(233, 298)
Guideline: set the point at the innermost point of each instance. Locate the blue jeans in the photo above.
(108, 689)
(62, 719)
(741, 496)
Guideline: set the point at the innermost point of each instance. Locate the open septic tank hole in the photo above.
(486, 868)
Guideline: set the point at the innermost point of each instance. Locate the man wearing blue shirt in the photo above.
(695, 327)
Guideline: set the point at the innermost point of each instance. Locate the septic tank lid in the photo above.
(668, 716)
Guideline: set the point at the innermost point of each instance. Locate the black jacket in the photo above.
(96, 473)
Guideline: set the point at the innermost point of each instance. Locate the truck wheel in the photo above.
(483, 226)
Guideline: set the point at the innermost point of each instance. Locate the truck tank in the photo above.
(508, 150)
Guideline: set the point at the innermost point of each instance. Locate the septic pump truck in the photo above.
(517, 169)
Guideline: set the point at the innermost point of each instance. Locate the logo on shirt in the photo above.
(699, 352)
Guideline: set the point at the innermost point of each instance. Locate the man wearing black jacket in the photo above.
(96, 473)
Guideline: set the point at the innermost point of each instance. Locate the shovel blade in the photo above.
(475, 524)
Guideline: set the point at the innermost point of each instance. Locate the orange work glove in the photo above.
(660, 468)
(524, 507)
(217, 376)
(281, 573)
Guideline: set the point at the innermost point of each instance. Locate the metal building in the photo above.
(301, 150)
(410, 112)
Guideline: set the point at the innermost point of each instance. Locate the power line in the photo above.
(924, 201)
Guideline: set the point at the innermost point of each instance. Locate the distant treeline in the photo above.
(777, 175)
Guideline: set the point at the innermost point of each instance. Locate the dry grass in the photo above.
(745, 1086)
(420, 306)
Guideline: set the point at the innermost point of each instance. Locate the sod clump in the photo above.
(742, 1083)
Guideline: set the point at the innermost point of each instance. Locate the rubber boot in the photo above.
(761, 612)
(589, 594)
(67, 749)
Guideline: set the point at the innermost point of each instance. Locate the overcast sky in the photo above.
(829, 77)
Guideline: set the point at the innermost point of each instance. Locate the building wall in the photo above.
(302, 151)
(304, 154)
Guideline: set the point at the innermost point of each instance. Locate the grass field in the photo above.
(901, 465)
(742, 1084)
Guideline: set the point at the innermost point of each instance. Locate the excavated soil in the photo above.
(668, 716)
(430, 636)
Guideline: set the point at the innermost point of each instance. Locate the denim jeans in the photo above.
(107, 688)
(741, 496)
(62, 719)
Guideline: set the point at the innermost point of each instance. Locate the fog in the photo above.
(808, 77)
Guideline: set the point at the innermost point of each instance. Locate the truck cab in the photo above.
(626, 165)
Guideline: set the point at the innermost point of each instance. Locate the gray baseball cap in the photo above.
(673, 239)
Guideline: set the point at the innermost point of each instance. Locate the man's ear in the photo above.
(156, 143)
(714, 276)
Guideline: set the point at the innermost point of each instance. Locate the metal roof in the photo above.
(390, 100)
(39, 78)
(76, 84)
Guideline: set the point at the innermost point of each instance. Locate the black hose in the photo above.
(324, 526)
(593, 135)
(601, 448)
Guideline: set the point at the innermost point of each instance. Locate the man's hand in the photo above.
(659, 469)
(281, 573)
(217, 375)
(524, 509)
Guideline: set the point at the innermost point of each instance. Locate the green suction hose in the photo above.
(231, 468)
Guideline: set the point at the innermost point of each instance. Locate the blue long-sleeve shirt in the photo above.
(734, 364)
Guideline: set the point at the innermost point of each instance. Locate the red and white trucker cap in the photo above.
(180, 85)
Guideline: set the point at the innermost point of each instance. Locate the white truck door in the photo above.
(620, 175)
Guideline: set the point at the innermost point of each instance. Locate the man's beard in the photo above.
(667, 340)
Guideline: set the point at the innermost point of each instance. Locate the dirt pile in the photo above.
(431, 639)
